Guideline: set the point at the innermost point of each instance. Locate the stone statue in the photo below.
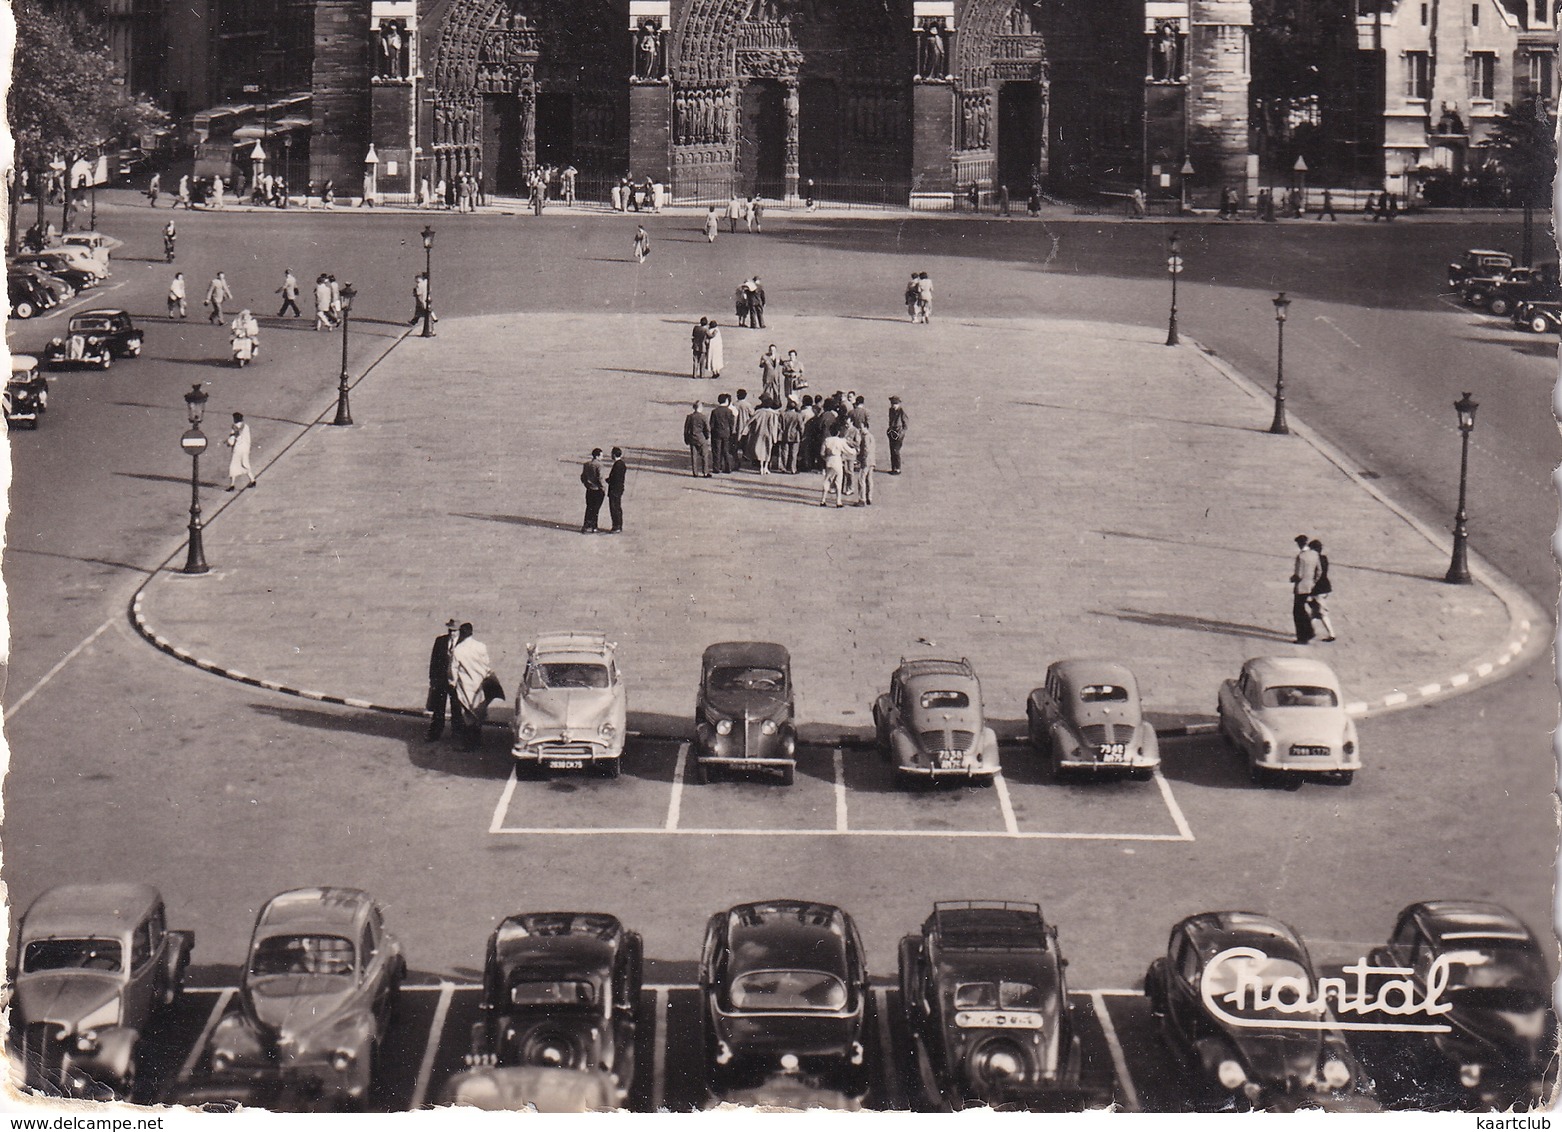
(1166, 64)
(1022, 19)
(648, 51)
(393, 45)
(933, 54)
(981, 123)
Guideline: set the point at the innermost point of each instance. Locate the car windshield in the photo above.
(747, 679)
(946, 699)
(1490, 976)
(303, 955)
(788, 990)
(1300, 695)
(569, 675)
(1103, 694)
(994, 996)
(66, 954)
(79, 325)
(557, 992)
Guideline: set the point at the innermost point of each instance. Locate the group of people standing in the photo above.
(604, 484)
(919, 297)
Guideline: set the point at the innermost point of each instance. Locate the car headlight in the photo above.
(724, 727)
(1469, 1076)
(528, 729)
(1230, 1074)
(768, 727)
(1336, 1074)
(87, 1042)
(222, 1059)
(342, 1059)
(607, 730)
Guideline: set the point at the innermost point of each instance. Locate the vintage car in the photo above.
(1487, 262)
(789, 1092)
(1286, 716)
(930, 723)
(784, 988)
(1502, 1037)
(1087, 718)
(743, 716)
(1524, 284)
(1539, 315)
(77, 266)
(561, 990)
(112, 328)
(58, 289)
(571, 709)
(28, 294)
(987, 1006)
(26, 395)
(1212, 995)
(539, 1088)
(95, 962)
(95, 244)
(320, 982)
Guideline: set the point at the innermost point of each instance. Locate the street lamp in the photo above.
(1459, 566)
(94, 226)
(1278, 425)
(194, 442)
(428, 281)
(1174, 269)
(1187, 171)
(344, 414)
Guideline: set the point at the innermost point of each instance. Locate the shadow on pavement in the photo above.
(1537, 347)
(646, 372)
(81, 558)
(1204, 761)
(519, 520)
(153, 477)
(1197, 624)
(1119, 414)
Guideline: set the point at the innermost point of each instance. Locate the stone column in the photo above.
(526, 97)
(791, 171)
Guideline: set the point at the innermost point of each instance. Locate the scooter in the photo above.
(244, 349)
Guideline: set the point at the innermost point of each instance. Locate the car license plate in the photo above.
(1114, 752)
(1311, 752)
(951, 762)
(998, 1019)
(566, 764)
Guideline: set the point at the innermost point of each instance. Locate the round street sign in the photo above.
(1174, 264)
(193, 442)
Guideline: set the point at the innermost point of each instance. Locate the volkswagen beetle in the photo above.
(1285, 715)
(571, 711)
(95, 964)
(319, 987)
(987, 1005)
(1087, 718)
(561, 990)
(930, 723)
(744, 714)
(536, 1088)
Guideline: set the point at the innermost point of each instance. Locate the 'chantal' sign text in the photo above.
(1243, 980)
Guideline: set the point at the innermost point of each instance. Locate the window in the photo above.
(1418, 75)
(1475, 15)
(1423, 15)
(1540, 11)
(1541, 68)
(1483, 75)
(141, 946)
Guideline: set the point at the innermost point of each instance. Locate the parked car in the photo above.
(987, 1006)
(26, 296)
(95, 244)
(95, 963)
(571, 711)
(930, 723)
(561, 990)
(784, 989)
(743, 716)
(69, 256)
(1245, 1055)
(539, 1088)
(789, 1092)
(1286, 716)
(1524, 284)
(320, 983)
(1539, 315)
(114, 328)
(54, 262)
(1503, 1031)
(1487, 262)
(26, 396)
(1087, 718)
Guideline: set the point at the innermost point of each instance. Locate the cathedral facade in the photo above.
(915, 101)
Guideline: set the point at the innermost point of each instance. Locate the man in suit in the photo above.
(616, 475)
(439, 680)
(757, 303)
(591, 480)
(897, 433)
(1304, 575)
(743, 410)
(723, 434)
(696, 434)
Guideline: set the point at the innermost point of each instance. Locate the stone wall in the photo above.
(1218, 73)
(341, 94)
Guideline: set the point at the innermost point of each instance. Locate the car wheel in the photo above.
(1142, 774)
(24, 309)
(133, 348)
(106, 361)
(1499, 305)
(612, 767)
(1292, 782)
(1055, 758)
(1538, 324)
(1260, 777)
(1344, 777)
(704, 773)
(788, 774)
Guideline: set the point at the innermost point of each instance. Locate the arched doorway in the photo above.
(1003, 78)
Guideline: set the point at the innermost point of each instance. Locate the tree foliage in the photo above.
(1523, 145)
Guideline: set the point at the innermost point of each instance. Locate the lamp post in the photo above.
(287, 165)
(1174, 269)
(94, 226)
(1459, 565)
(344, 415)
(428, 281)
(1278, 425)
(194, 442)
(1187, 171)
(1300, 169)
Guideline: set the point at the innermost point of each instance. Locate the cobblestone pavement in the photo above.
(1070, 489)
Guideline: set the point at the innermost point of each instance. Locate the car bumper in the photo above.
(968, 771)
(1098, 765)
(1311, 764)
(739, 749)
(558, 754)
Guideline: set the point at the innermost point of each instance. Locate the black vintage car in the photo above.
(1214, 993)
(27, 294)
(1502, 1032)
(784, 985)
(1539, 316)
(95, 338)
(987, 1006)
(1524, 284)
(743, 717)
(1478, 261)
(561, 990)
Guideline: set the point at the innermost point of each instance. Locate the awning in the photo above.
(260, 131)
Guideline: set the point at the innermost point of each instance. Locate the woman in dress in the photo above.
(713, 349)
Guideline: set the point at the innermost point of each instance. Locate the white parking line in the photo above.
(1119, 1062)
(1184, 831)
(193, 1058)
(659, 1052)
(892, 1097)
(1010, 826)
(79, 300)
(840, 792)
(431, 1047)
(503, 808)
(61, 663)
(684, 831)
(675, 803)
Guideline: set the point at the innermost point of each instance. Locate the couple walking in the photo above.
(705, 345)
(749, 302)
(1310, 590)
(461, 676)
(919, 297)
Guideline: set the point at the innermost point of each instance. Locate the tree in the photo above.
(67, 94)
(1302, 53)
(1524, 148)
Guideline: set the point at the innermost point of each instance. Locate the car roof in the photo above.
(1271, 670)
(762, 653)
(307, 910)
(932, 666)
(577, 940)
(786, 934)
(1464, 920)
(72, 909)
(593, 644)
(987, 925)
(1215, 931)
(23, 363)
(100, 312)
(1077, 672)
(1488, 251)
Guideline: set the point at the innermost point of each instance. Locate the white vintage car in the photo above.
(1286, 715)
(571, 710)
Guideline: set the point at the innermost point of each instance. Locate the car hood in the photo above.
(292, 1004)
(567, 709)
(66, 996)
(1276, 1059)
(754, 705)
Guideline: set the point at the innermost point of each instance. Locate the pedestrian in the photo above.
(697, 348)
(217, 191)
(1328, 206)
(853, 437)
(714, 356)
(184, 193)
(696, 435)
(322, 304)
(757, 303)
(473, 686)
(808, 195)
(808, 447)
(792, 373)
(1003, 200)
(439, 680)
(770, 392)
(757, 214)
(723, 435)
(1136, 209)
(153, 188)
(767, 435)
(835, 451)
(336, 300)
(924, 298)
(596, 492)
(570, 173)
(791, 435)
(1304, 575)
(176, 296)
(1294, 207)
(743, 410)
(1389, 207)
(328, 193)
(642, 244)
(710, 225)
(616, 476)
(289, 293)
(742, 303)
(1370, 208)
(734, 211)
(238, 459)
(911, 297)
(859, 412)
(420, 307)
(170, 239)
(217, 293)
(867, 453)
(1318, 605)
(896, 433)
(244, 338)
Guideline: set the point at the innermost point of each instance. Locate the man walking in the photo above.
(439, 680)
(743, 413)
(616, 476)
(791, 435)
(176, 296)
(867, 453)
(1328, 206)
(289, 293)
(420, 309)
(697, 344)
(757, 213)
(696, 434)
(1304, 576)
(897, 433)
(734, 210)
(710, 225)
(323, 304)
(723, 434)
(591, 480)
(154, 188)
(217, 293)
(238, 459)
